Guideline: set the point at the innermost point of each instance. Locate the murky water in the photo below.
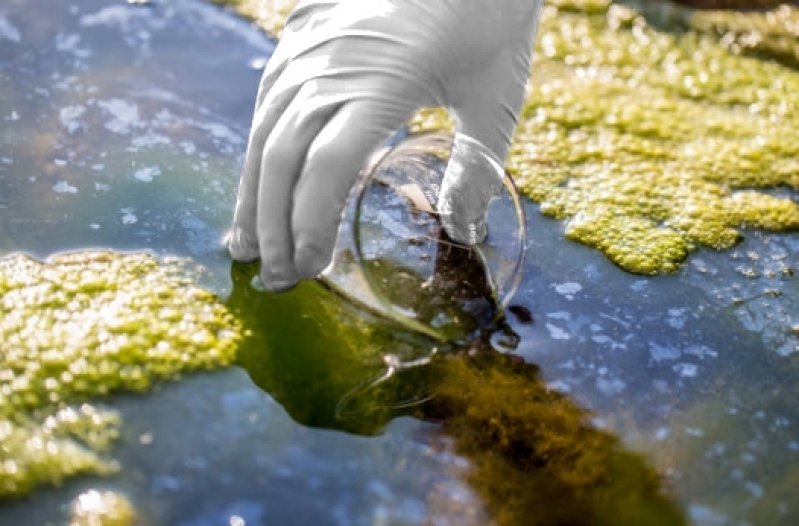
(123, 127)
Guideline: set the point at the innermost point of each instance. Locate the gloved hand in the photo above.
(344, 77)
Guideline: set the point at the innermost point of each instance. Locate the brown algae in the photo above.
(82, 326)
(534, 458)
(651, 128)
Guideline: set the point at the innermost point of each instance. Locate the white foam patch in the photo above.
(568, 290)
(8, 31)
(128, 217)
(222, 132)
(677, 318)
(663, 353)
(70, 118)
(70, 43)
(124, 115)
(556, 333)
(63, 187)
(686, 370)
(611, 386)
(147, 174)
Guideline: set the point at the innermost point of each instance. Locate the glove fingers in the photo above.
(243, 239)
(488, 110)
(274, 68)
(282, 163)
(333, 165)
(474, 173)
(304, 12)
(292, 43)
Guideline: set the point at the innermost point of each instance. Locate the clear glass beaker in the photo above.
(394, 257)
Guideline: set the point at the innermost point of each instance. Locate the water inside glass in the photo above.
(394, 256)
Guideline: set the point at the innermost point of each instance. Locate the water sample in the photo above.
(394, 256)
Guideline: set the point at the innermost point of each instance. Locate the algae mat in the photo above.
(651, 129)
(82, 326)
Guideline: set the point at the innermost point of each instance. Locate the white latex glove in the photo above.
(344, 77)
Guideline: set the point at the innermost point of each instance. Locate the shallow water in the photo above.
(123, 127)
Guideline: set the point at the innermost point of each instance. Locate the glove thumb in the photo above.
(472, 179)
(485, 106)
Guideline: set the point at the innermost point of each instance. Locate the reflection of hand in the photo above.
(347, 74)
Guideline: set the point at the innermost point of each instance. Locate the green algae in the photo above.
(269, 14)
(48, 449)
(732, 4)
(773, 34)
(102, 508)
(82, 326)
(318, 355)
(649, 143)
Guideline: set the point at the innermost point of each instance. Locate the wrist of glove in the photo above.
(344, 77)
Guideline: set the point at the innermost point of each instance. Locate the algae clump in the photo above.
(772, 34)
(651, 128)
(81, 326)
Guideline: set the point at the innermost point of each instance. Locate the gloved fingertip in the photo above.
(464, 232)
(310, 260)
(239, 247)
(266, 282)
(478, 233)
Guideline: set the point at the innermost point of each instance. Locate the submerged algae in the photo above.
(535, 459)
(533, 456)
(82, 326)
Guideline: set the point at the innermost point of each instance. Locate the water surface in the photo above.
(123, 127)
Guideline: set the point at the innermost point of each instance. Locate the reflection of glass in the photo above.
(393, 255)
